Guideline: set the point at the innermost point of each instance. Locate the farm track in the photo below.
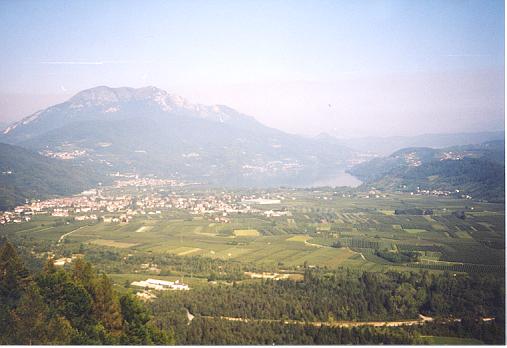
(359, 253)
(315, 245)
(66, 234)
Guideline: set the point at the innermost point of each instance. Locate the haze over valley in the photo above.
(252, 172)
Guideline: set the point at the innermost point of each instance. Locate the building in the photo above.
(161, 285)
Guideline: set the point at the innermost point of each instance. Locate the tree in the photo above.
(57, 306)
(137, 331)
(13, 275)
(13, 279)
(30, 319)
(106, 308)
(66, 297)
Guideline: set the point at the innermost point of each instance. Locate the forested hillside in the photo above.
(28, 175)
(76, 306)
(306, 312)
(474, 170)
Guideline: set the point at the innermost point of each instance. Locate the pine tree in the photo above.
(106, 308)
(13, 275)
(137, 330)
(30, 319)
(13, 278)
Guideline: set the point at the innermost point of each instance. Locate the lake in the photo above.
(340, 179)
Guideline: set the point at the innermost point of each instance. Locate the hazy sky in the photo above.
(351, 68)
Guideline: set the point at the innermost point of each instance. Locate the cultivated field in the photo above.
(323, 229)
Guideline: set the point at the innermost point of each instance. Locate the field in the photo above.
(246, 233)
(323, 229)
(112, 243)
(321, 239)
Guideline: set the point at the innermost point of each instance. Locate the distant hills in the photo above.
(149, 131)
(475, 170)
(28, 175)
(385, 146)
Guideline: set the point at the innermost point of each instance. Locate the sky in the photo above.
(348, 68)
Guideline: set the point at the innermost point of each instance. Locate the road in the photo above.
(422, 319)
(325, 246)
(190, 316)
(66, 234)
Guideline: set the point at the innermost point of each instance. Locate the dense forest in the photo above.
(458, 304)
(217, 331)
(76, 306)
(350, 295)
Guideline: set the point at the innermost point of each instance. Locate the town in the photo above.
(132, 196)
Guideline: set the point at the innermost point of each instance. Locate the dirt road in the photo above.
(422, 319)
(66, 234)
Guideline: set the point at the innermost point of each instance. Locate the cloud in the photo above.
(467, 55)
(72, 63)
(80, 62)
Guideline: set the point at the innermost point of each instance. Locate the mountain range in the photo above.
(149, 131)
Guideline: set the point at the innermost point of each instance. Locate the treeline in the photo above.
(219, 332)
(413, 211)
(399, 256)
(77, 306)
(348, 295)
(214, 332)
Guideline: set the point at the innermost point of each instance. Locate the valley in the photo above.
(216, 240)
(286, 228)
(224, 231)
(247, 173)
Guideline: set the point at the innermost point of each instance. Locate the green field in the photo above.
(323, 230)
(246, 233)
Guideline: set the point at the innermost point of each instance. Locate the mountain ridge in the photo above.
(150, 131)
(107, 100)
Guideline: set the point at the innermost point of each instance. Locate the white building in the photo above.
(161, 285)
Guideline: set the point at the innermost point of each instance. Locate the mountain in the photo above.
(386, 145)
(28, 175)
(149, 131)
(475, 170)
